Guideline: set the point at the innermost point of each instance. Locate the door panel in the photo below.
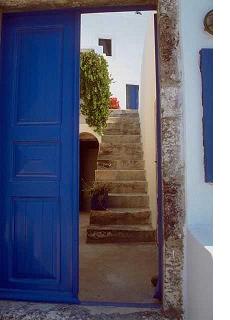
(132, 96)
(39, 98)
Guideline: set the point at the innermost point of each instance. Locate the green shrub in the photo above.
(95, 90)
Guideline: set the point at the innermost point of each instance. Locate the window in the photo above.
(132, 96)
(206, 67)
(107, 46)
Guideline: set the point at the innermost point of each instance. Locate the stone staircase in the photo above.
(121, 166)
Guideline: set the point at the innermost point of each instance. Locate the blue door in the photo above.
(39, 153)
(132, 96)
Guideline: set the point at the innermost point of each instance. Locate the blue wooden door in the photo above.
(39, 134)
(132, 96)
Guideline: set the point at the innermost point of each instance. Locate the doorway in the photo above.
(38, 276)
(116, 238)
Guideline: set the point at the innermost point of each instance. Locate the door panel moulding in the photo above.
(171, 133)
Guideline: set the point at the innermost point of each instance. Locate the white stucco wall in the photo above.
(199, 280)
(84, 127)
(127, 31)
(199, 195)
(147, 113)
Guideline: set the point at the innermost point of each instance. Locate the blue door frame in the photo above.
(72, 298)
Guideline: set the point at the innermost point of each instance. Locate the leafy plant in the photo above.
(98, 194)
(95, 90)
(95, 189)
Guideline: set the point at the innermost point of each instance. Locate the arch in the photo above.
(88, 136)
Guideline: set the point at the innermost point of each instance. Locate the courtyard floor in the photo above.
(116, 272)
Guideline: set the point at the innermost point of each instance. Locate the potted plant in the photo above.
(114, 103)
(99, 194)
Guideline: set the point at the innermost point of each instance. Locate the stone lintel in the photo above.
(13, 5)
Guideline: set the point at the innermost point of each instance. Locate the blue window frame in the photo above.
(206, 67)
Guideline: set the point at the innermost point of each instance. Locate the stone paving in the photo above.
(40, 311)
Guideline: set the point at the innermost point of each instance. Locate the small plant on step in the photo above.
(99, 194)
(95, 90)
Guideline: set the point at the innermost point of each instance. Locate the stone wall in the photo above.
(172, 155)
(43, 4)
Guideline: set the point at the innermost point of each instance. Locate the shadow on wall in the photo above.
(147, 113)
(89, 147)
(199, 280)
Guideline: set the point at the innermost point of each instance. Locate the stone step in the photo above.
(124, 113)
(128, 200)
(124, 125)
(122, 131)
(121, 138)
(124, 120)
(120, 216)
(120, 175)
(120, 234)
(121, 151)
(125, 186)
(126, 164)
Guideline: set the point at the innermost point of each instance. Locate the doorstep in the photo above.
(10, 310)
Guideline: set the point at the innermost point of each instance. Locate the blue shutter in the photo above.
(206, 66)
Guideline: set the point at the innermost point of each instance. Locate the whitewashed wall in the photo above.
(147, 113)
(199, 300)
(199, 195)
(127, 31)
(84, 127)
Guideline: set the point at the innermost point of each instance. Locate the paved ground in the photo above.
(41, 311)
(116, 272)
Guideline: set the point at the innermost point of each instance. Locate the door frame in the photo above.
(171, 134)
(159, 167)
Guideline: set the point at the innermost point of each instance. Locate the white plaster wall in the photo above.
(83, 127)
(127, 31)
(199, 280)
(147, 113)
(198, 193)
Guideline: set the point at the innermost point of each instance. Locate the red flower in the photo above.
(114, 103)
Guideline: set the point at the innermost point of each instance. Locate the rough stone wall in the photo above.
(172, 155)
(42, 4)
